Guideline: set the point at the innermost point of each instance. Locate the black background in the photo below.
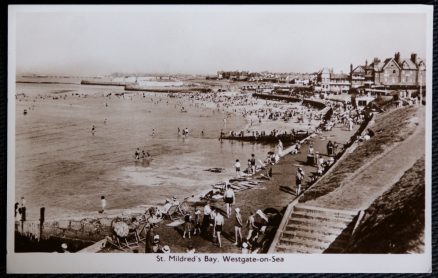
(3, 129)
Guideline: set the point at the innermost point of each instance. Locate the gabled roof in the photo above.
(360, 69)
(408, 64)
(420, 61)
(388, 60)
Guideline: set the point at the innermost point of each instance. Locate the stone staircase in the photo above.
(315, 230)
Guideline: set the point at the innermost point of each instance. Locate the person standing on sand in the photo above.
(249, 170)
(187, 224)
(237, 167)
(103, 203)
(250, 223)
(253, 164)
(93, 130)
(218, 225)
(137, 154)
(238, 226)
(229, 199)
(197, 222)
(149, 241)
(206, 219)
(212, 225)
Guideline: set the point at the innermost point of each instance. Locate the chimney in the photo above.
(414, 58)
(351, 68)
(397, 57)
(366, 63)
(376, 60)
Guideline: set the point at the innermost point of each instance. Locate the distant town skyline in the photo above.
(198, 40)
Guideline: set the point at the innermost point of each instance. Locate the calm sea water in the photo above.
(62, 166)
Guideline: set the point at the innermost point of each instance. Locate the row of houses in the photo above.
(392, 73)
(291, 78)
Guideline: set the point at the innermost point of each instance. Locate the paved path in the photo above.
(378, 175)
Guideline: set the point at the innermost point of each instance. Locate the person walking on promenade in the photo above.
(197, 229)
(250, 223)
(206, 219)
(218, 225)
(237, 167)
(253, 164)
(187, 224)
(330, 148)
(298, 180)
(229, 199)
(238, 226)
(102, 203)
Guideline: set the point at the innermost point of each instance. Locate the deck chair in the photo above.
(140, 232)
(174, 212)
(126, 239)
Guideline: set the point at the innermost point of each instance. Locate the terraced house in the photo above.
(394, 73)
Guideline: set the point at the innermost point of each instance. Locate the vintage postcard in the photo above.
(212, 139)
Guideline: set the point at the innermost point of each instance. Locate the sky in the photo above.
(196, 41)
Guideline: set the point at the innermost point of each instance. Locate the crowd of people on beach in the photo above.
(209, 221)
(141, 155)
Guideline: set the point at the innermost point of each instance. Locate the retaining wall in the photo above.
(87, 229)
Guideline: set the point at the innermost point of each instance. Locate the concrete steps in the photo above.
(316, 230)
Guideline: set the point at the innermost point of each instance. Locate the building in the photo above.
(330, 82)
(394, 72)
(361, 76)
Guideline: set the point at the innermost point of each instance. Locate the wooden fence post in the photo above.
(42, 212)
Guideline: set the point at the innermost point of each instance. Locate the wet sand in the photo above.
(60, 165)
(275, 194)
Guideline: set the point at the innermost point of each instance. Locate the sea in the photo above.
(62, 166)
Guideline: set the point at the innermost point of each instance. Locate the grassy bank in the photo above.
(394, 223)
(389, 128)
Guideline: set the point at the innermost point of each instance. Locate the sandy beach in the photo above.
(65, 114)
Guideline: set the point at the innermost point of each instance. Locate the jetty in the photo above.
(169, 89)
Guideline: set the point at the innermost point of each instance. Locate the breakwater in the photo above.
(325, 113)
(285, 138)
(315, 103)
(102, 83)
(176, 89)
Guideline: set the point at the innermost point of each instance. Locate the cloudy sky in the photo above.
(197, 40)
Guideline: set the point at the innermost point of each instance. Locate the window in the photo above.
(393, 71)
